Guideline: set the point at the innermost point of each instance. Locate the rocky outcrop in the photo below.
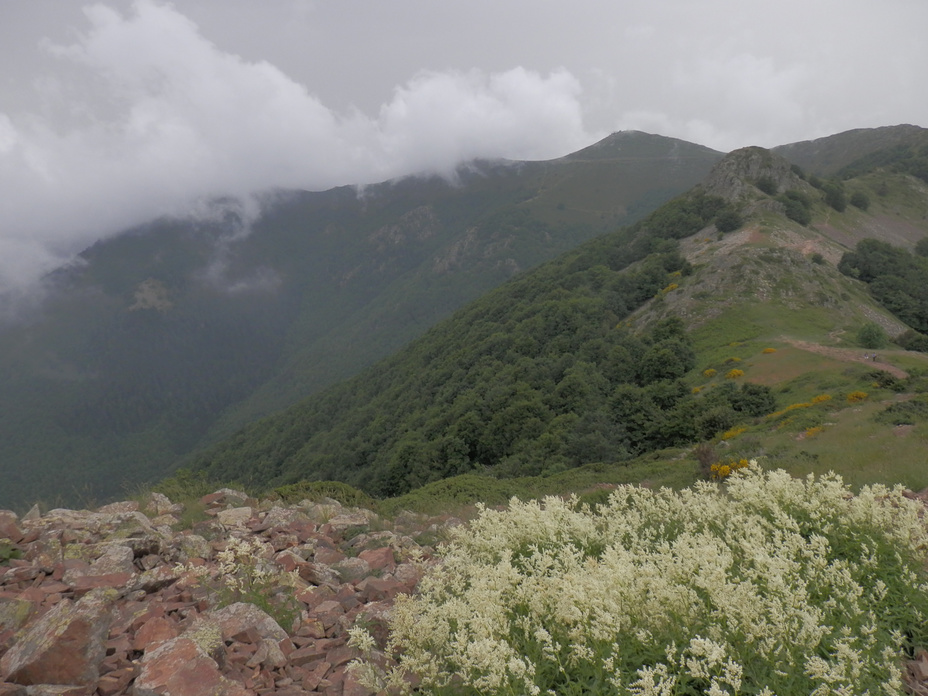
(735, 176)
(121, 601)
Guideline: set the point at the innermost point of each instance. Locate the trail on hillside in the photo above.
(847, 355)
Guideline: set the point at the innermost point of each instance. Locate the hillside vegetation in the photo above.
(747, 345)
(181, 331)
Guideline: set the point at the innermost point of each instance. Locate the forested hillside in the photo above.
(180, 331)
(536, 377)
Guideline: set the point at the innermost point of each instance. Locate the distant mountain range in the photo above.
(163, 342)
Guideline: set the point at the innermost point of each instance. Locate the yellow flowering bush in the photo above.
(722, 470)
(769, 350)
(813, 431)
(856, 397)
(710, 372)
(821, 398)
(734, 374)
(769, 585)
(733, 432)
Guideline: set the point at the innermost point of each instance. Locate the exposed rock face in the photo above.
(99, 603)
(734, 177)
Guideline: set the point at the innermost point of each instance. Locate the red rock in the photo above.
(8, 689)
(310, 653)
(328, 556)
(116, 681)
(341, 655)
(154, 632)
(83, 584)
(180, 667)
(65, 646)
(242, 616)
(351, 687)
(379, 559)
(311, 628)
(60, 690)
(316, 675)
(9, 526)
(373, 589)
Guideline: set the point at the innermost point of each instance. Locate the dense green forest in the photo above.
(897, 279)
(541, 375)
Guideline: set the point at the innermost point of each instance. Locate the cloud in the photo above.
(159, 118)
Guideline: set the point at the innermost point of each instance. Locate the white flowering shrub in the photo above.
(764, 585)
(243, 574)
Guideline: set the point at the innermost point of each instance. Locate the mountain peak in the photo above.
(632, 144)
(735, 176)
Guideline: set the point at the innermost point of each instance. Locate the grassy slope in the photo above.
(759, 289)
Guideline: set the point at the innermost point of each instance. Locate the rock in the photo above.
(319, 574)
(180, 667)
(380, 559)
(352, 569)
(235, 517)
(159, 504)
(14, 613)
(154, 632)
(239, 617)
(9, 526)
(65, 646)
(124, 506)
(190, 546)
(114, 559)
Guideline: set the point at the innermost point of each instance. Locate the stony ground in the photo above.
(118, 601)
(115, 601)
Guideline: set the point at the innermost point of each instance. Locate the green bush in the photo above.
(872, 335)
(317, 490)
(860, 200)
(763, 585)
(835, 196)
(728, 221)
(767, 185)
(913, 340)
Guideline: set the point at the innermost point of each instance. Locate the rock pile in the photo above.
(116, 601)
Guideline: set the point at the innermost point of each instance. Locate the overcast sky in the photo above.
(115, 112)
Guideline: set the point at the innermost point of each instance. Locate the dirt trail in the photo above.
(846, 355)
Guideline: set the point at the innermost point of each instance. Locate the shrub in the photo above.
(734, 374)
(913, 340)
(728, 221)
(835, 196)
(768, 585)
(872, 335)
(856, 397)
(767, 185)
(710, 372)
(860, 200)
(817, 259)
(721, 471)
(769, 350)
(795, 209)
(245, 575)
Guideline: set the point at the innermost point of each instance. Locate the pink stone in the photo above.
(241, 616)
(381, 558)
(180, 667)
(154, 632)
(65, 646)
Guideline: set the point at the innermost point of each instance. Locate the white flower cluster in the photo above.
(766, 585)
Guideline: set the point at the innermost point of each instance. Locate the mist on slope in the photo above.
(158, 119)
